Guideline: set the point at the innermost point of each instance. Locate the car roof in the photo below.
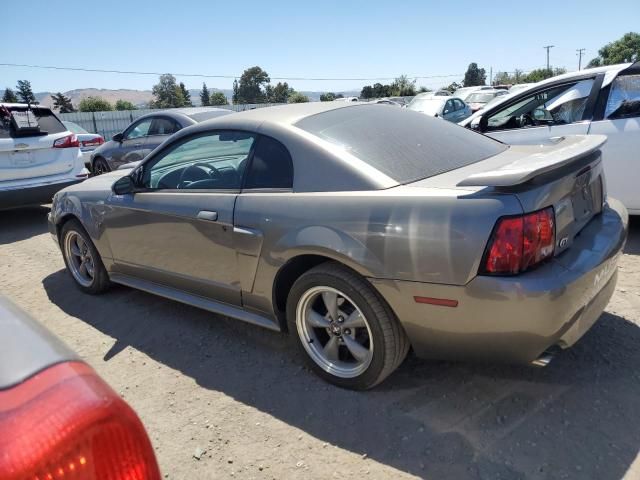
(180, 113)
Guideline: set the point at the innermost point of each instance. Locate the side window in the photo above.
(211, 161)
(163, 126)
(458, 103)
(271, 166)
(624, 98)
(448, 107)
(559, 105)
(139, 130)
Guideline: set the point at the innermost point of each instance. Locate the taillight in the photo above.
(519, 243)
(94, 142)
(67, 423)
(67, 142)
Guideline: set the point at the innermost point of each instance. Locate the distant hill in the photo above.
(141, 98)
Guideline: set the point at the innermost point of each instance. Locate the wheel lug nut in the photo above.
(347, 331)
(340, 319)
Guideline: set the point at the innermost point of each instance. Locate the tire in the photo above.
(383, 344)
(93, 278)
(100, 166)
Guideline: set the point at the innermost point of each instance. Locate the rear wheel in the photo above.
(100, 166)
(82, 259)
(346, 331)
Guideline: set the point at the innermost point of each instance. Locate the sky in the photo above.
(340, 40)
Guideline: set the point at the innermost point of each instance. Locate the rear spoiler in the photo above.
(534, 161)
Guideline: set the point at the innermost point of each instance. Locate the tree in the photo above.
(452, 87)
(125, 105)
(278, 94)
(297, 97)
(366, 92)
(167, 93)
(624, 50)
(9, 96)
(24, 92)
(474, 76)
(402, 87)
(186, 95)
(94, 104)
(250, 87)
(218, 98)
(62, 103)
(236, 92)
(423, 89)
(328, 97)
(540, 74)
(205, 99)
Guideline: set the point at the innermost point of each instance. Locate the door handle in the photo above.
(137, 144)
(208, 215)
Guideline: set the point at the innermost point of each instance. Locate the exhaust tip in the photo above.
(544, 359)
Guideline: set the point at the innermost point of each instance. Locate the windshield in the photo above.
(404, 145)
(427, 105)
(74, 127)
(480, 97)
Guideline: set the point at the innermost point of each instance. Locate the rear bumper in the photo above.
(32, 194)
(515, 319)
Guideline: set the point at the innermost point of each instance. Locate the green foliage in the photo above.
(125, 105)
(24, 92)
(328, 97)
(366, 92)
(167, 93)
(218, 98)
(250, 87)
(186, 95)
(401, 86)
(540, 74)
(452, 87)
(205, 98)
(474, 76)
(9, 96)
(297, 97)
(278, 94)
(624, 50)
(424, 90)
(236, 92)
(62, 103)
(94, 104)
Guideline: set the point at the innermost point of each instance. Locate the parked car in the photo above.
(452, 109)
(464, 92)
(387, 101)
(347, 99)
(38, 155)
(88, 141)
(478, 100)
(145, 134)
(58, 418)
(362, 230)
(603, 100)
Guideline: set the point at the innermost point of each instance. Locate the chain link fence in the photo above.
(108, 124)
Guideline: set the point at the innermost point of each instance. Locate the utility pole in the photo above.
(490, 75)
(580, 52)
(548, 47)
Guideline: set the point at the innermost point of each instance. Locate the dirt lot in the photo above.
(202, 383)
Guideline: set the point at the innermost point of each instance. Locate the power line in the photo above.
(204, 75)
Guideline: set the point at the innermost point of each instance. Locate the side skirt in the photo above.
(195, 301)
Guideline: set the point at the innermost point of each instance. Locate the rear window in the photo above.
(404, 145)
(48, 123)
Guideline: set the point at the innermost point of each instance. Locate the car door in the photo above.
(161, 129)
(619, 120)
(538, 116)
(132, 147)
(177, 231)
(448, 111)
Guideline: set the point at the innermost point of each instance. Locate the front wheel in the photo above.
(82, 259)
(346, 331)
(100, 166)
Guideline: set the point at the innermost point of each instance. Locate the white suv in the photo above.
(38, 155)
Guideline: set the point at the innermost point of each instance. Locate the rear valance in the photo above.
(547, 158)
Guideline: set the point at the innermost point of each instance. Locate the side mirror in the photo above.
(118, 137)
(123, 186)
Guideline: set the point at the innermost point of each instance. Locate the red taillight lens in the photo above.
(519, 243)
(66, 423)
(67, 142)
(94, 142)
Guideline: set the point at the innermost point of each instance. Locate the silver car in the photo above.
(449, 108)
(362, 230)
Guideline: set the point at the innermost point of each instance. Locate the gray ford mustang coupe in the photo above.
(363, 231)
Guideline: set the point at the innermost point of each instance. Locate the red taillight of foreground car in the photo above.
(94, 142)
(67, 142)
(519, 243)
(67, 423)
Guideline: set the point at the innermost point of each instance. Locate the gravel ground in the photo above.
(236, 397)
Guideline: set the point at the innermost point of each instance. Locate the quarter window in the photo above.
(163, 126)
(211, 161)
(140, 130)
(271, 166)
(624, 99)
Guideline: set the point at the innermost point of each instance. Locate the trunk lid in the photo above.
(31, 155)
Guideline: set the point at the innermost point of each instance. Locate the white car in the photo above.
(464, 92)
(596, 101)
(38, 155)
